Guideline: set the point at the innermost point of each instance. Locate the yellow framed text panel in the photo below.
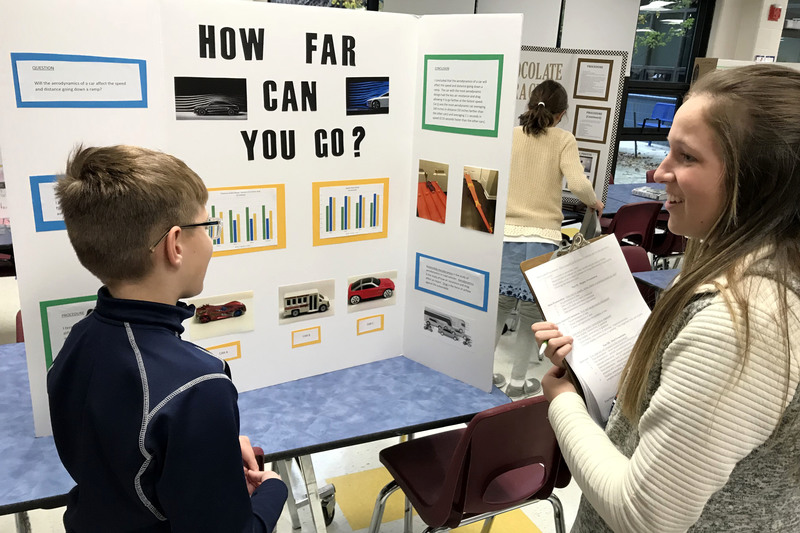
(369, 324)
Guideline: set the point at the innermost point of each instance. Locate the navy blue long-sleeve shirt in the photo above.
(147, 425)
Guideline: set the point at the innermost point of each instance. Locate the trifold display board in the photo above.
(594, 81)
(286, 114)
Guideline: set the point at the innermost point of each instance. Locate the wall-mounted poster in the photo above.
(589, 160)
(593, 79)
(591, 123)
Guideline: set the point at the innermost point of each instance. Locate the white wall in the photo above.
(768, 39)
(589, 24)
(540, 25)
(600, 24)
(740, 29)
(429, 7)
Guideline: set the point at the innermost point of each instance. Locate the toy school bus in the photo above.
(446, 325)
(302, 302)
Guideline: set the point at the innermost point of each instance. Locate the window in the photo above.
(371, 5)
(662, 49)
(789, 49)
(668, 37)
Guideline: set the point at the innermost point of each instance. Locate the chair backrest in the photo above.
(637, 258)
(20, 333)
(639, 261)
(669, 244)
(650, 176)
(636, 222)
(663, 111)
(512, 456)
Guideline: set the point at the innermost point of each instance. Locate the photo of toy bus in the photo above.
(448, 326)
(302, 302)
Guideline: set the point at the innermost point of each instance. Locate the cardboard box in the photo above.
(704, 65)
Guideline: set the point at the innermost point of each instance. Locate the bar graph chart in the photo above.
(252, 218)
(350, 210)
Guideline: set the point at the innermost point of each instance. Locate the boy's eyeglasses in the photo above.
(213, 226)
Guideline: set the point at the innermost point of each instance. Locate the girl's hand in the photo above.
(558, 345)
(555, 382)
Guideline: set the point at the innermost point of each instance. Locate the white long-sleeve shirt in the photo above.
(715, 449)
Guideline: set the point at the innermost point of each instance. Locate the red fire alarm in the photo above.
(774, 12)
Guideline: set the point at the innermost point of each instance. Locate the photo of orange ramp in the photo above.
(478, 205)
(431, 201)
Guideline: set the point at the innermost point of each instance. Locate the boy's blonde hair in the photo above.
(117, 200)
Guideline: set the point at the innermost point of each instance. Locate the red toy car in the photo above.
(367, 288)
(207, 313)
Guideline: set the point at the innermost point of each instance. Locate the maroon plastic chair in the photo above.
(20, 333)
(667, 245)
(505, 458)
(639, 261)
(650, 176)
(634, 224)
(7, 267)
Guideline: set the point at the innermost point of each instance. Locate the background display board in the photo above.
(309, 127)
(594, 82)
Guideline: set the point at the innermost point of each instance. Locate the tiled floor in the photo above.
(334, 463)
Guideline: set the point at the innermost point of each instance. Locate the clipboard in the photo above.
(578, 241)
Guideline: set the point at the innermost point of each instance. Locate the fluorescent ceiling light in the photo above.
(656, 5)
(671, 21)
(644, 30)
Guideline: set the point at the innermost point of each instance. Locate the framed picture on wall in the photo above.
(591, 123)
(589, 160)
(593, 79)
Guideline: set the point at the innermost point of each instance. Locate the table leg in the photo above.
(23, 522)
(408, 515)
(284, 467)
(314, 502)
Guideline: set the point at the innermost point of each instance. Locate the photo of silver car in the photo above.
(379, 101)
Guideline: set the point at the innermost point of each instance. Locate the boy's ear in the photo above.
(172, 247)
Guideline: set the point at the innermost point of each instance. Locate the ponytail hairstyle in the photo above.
(548, 100)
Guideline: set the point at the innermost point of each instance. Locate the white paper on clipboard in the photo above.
(592, 296)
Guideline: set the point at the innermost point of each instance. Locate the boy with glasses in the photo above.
(146, 423)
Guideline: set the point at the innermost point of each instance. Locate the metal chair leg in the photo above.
(487, 524)
(408, 516)
(558, 514)
(380, 505)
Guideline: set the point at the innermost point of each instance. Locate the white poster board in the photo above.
(594, 82)
(307, 126)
